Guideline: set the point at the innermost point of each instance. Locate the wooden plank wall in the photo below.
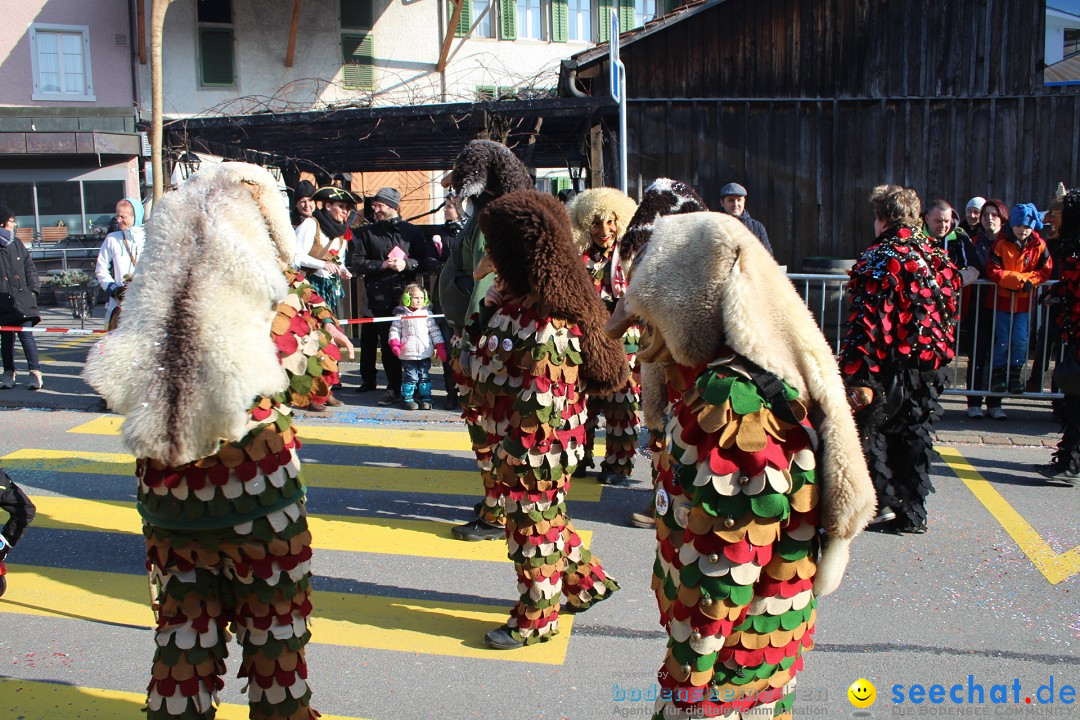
(809, 166)
(810, 103)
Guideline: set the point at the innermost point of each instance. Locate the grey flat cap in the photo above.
(733, 189)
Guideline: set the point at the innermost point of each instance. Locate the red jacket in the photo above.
(1010, 266)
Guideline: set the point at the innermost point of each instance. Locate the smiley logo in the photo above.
(862, 693)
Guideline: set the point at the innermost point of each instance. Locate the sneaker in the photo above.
(998, 414)
(451, 403)
(332, 401)
(642, 520)
(425, 405)
(7, 380)
(976, 413)
(409, 405)
(389, 398)
(610, 477)
(1053, 472)
(36, 381)
(366, 387)
(478, 530)
(501, 639)
(885, 514)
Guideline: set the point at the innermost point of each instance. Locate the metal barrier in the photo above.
(971, 373)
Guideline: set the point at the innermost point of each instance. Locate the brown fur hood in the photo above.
(193, 348)
(528, 240)
(703, 282)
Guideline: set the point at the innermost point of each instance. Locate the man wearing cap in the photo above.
(733, 197)
(971, 215)
(387, 254)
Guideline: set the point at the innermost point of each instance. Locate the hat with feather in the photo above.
(194, 347)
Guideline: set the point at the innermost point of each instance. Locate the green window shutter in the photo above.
(559, 184)
(358, 62)
(603, 20)
(626, 15)
(464, 21)
(216, 56)
(507, 19)
(559, 20)
(485, 93)
(356, 13)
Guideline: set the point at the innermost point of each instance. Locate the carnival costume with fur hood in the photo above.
(538, 353)
(620, 408)
(483, 171)
(217, 341)
(1066, 459)
(757, 462)
(901, 331)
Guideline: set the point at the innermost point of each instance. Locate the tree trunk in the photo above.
(157, 24)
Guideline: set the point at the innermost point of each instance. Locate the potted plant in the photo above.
(65, 283)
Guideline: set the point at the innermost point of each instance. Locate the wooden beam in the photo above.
(292, 33)
(140, 25)
(450, 28)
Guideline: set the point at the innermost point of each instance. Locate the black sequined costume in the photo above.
(1067, 294)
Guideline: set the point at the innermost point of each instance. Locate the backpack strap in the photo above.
(773, 390)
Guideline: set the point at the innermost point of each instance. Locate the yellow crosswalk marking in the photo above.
(375, 622)
(386, 536)
(49, 701)
(1054, 566)
(347, 477)
(416, 439)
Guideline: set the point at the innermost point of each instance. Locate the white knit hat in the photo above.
(975, 202)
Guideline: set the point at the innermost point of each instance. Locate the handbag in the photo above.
(1066, 375)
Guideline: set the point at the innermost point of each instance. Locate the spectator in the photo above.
(119, 255)
(414, 336)
(387, 253)
(941, 225)
(991, 227)
(972, 211)
(21, 512)
(733, 197)
(19, 286)
(1017, 265)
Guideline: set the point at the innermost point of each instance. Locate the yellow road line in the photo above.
(345, 477)
(384, 536)
(34, 700)
(1054, 566)
(417, 439)
(432, 627)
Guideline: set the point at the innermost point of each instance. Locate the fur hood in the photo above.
(484, 165)
(599, 202)
(528, 240)
(194, 348)
(706, 271)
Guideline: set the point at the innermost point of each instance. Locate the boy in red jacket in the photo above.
(1016, 265)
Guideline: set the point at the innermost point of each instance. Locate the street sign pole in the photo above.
(617, 75)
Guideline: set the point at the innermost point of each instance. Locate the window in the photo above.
(644, 11)
(60, 62)
(217, 65)
(69, 202)
(578, 19)
(358, 62)
(529, 19)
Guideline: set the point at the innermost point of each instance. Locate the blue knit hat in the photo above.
(1026, 214)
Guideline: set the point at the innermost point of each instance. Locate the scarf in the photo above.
(6, 237)
(331, 228)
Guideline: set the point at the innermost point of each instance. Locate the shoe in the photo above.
(36, 381)
(316, 408)
(998, 383)
(976, 413)
(425, 405)
(389, 398)
(366, 387)
(998, 414)
(478, 530)
(451, 403)
(7, 380)
(642, 520)
(582, 470)
(501, 639)
(610, 477)
(332, 401)
(885, 514)
(1016, 385)
(1053, 472)
(409, 405)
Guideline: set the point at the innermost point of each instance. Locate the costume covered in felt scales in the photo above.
(484, 170)
(1065, 464)
(217, 342)
(762, 452)
(537, 354)
(599, 218)
(901, 331)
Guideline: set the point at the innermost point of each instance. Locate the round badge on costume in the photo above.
(663, 501)
(493, 342)
(682, 512)
(507, 344)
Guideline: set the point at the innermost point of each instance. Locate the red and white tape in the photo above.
(82, 331)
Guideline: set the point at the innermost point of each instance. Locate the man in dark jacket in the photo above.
(19, 287)
(387, 253)
(733, 197)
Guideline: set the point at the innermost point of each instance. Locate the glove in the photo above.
(1028, 286)
(117, 291)
(395, 347)
(440, 351)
